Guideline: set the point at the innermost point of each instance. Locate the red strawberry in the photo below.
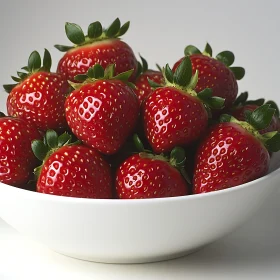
(143, 88)
(16, 158)
(99, 46)
(235, 152)
(39, 95)
(215, 73)
(71, 169)
(102, 111)
(151, 176)
(241, 105)
(175, 115)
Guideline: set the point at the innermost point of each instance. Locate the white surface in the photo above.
(251, 252)
(160, 32)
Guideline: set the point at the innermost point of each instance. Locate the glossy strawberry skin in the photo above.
(173, 118)
(141, 177)
(215, 75)
(143, 88)
(40, 99)
(102, 114)
(239, 114)
(17, 160)
(229, 156)
(80, 59)
(76, 171)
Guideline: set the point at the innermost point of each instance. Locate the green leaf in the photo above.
(153, 84)
(238, 72)
(178, 156)
(205, 93)
(95, 30)
(194, 79)
(63, 139)
(268, 135)
(216, 102)
(90, 72)
(158, 67)
(138, 143)
(34, 61)
(241, 98)
(124, 75)
(183, 73)
(16, 79)
(80, 77)
(189, 50)
(131, 85)
(109, 71)
(274, 106)
(144, 64)
(74, 33)
(98, 71)
(47, 61)
(261, 117)
(273, 144)
(185, 175)
(139, 69)
(247, 114)
(22, 75)
(2, 115)
(226, 57)
(39, 149)
(51, 138)
(63, 48)
(258, 102)
(113, 29)
(225, 118)
(208, 49)
(8, 88)
(25, 68)
(169, 74)
(123, 29)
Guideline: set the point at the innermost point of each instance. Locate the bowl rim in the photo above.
(75, 200)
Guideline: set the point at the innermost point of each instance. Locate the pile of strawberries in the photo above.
(106, 126)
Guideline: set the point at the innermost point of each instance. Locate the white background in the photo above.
(159, 31)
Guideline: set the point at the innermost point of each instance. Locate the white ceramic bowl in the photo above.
(133, 231)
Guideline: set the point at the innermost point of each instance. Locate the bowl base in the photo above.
(133, 260)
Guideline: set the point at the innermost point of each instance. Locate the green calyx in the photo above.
(34, 65)
(183, 79)
(257, 120)
(142, 66)
(226, 57)
(242, 100)
(95, 33)
(97, 72)
(176, 158)
(51, 142)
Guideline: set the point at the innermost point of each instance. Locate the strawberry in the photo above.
(235, 152)
(241, 105)
(39, 95)
(145, 175)
(216, 74)
(16, 158)
(174, 114)
(71, 169)
(100, 45)
(143, 88)
(103, 110)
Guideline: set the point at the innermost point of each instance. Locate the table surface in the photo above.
(251, 252)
